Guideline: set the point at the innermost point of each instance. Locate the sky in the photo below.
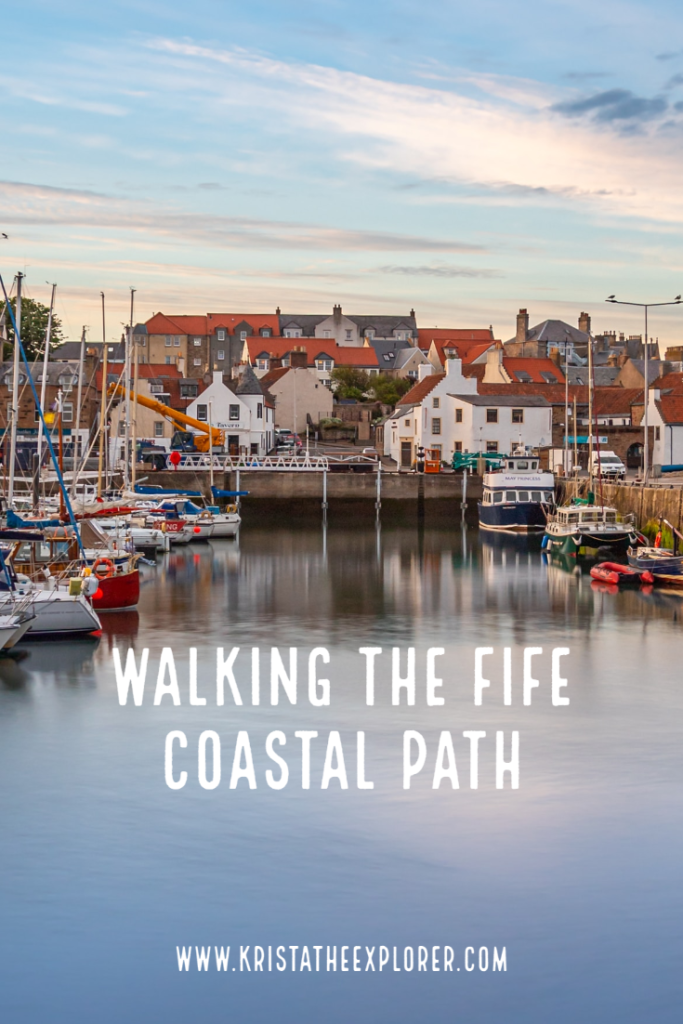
(463, 160)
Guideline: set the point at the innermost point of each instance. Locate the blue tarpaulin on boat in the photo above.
(15, 522)
(218, 493)
(141, 489)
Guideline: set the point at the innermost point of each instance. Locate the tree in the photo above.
(34, 317)
(388, 390)
(350, 383)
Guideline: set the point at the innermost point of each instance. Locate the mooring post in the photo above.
(237, 487)
(324, 495)
(463, 503)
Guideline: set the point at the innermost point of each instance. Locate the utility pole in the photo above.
(134, 418)
(15, 394)
(103, 408)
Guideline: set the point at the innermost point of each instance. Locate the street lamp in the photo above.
(645, 306)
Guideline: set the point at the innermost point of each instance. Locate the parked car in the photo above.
(608, 464)
(285, 437)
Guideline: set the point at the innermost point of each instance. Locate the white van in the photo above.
(607, 464)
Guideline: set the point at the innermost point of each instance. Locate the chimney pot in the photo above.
(522, 325)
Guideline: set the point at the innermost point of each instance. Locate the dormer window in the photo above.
(324, 364)
(370, 333)
(265, 332)
(220, 334)
(262, 364)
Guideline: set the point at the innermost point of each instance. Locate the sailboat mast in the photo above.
(590, 412)
(77, 445)
(103, 409)
(43, 383)
(134, 418)
(129, 342)
(15, 394)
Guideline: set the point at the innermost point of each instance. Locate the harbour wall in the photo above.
(279, 492)
(648, 503)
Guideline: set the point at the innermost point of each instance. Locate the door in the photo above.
(406, 454)
(233, 444)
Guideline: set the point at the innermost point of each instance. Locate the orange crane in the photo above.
(187, 441)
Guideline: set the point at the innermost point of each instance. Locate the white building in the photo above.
(245, 414)
(665, 416)
(444, 412)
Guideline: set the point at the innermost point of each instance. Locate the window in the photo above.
(436, 425)
(156, 389)
(323, 364)
(197, 360)
(523, 377)
(243, 335)
(435, 403)
(262, 364)
(265, 332)
(458, 415)
(197, 342)
(168, 341)
(327, 334)
(491, 446)
(518, 415)
(254, 447)
(220, 355)
(259, 411)
(407, 423)
(498, 497)
(122, 428)
(234, 412)
(348, 335)
(202, 412)
(168, 361)
(656, 433)
(188, 390)
(537, 495)
(492, 416)
(523, 496)
(158, 428)
(549, 378)
(293, 332)
(176, 341)
(458, 446)
(511, 495)
(67, 412)
(220, 334)
(36, 415)
(370, 333)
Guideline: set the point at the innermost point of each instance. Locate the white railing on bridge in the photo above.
(289, 463)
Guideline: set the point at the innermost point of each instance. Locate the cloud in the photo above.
(614, 105)
(669, 55)
(675, 81)
(440, 271)
(583, 76)
(30, 204)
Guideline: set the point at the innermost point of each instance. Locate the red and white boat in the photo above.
(118, 586)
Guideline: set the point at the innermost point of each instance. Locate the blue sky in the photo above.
(460, 159)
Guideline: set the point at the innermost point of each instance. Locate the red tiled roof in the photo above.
(420, 390)
(274, 375)
(671, 408)
(161, 323)
(427, 335)
(341, 354)
(467, 351)
(606, 400)
(534, 367)
(672, 382)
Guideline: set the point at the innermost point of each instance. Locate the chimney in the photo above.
(336, 314)
(554, 354)
(277, 311)
(298, 357)
(426, 370)
(412, 313)
(454, 367)
(522, 325)
(274, 362)
(585, 323)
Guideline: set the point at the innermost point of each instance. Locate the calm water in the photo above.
(105, 870)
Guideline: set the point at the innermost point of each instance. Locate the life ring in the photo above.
(108, 566)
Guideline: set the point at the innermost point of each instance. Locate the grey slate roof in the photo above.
(555, 331)
(503, 401)
(385, 325)
(604, 375)
(54, 371)
(387, 351)
(72, 350)
(306, 321)
(249, 383)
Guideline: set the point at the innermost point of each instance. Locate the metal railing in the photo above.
(290, 463)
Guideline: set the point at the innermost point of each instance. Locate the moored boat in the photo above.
(581, 528)
(665, 565)
(616, 573)
(518, 497)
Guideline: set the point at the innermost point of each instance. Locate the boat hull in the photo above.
(58, 614)
(663, 564)
(521, 517)
(581, 542)
(119, 591)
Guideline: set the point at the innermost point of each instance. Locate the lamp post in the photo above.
(646, 401)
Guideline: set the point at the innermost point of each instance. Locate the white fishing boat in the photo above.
(580, 528)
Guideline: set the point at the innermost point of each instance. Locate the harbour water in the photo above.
(105, 870)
